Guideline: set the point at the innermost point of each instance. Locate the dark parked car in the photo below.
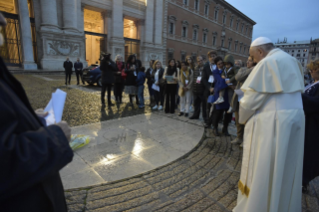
(92, 74)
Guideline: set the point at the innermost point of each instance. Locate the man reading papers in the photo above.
(271, 173)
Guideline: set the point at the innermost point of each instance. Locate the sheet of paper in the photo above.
(155, 87)
(211, 79)
(186, 82)
(55, 107)
(169, 78)
(239, 93)
(198, 80)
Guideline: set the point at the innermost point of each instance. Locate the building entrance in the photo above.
(94, 45)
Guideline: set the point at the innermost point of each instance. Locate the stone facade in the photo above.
(297, 49)
(313, 50)
(194, 27)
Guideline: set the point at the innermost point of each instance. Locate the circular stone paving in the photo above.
(127, 147)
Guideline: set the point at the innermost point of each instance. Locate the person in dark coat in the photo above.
(67, 65)
(31, 154)
(150, 81)
(138, 62)
(131, 71)
(78, 67)
(108, 70)
(220, 109)
(310, 101)
(200, 89)
(119, 79)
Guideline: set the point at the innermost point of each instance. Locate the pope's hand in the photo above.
(40, 112)
(65, 128)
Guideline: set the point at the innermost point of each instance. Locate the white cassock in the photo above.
(271, 173)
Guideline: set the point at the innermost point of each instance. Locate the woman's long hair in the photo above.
(129, 60)
(171, 69)
(192, 64)
(154, 64)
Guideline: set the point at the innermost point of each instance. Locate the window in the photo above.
(222, 43)
(293, 50)
(242, 28)
(240, 49)
(214, 41)
(216, 14)
(314, 54)
(237, 26)
(171, 28)
(195, 34)
(204, 38)
(224, 19)
(170, 55)
(231, 23)
(236, 47)
(305, 50)
(206, 9)
(244, 50)
(304, 55)
(184, 32)
(246, 31)
(229, 45)
(196, 4)
(185, 2)
(183, 56)
(298, 50)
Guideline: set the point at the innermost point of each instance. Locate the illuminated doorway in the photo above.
(95, 36)
(130, 34)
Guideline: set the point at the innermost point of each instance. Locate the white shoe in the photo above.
(155, 107)
(241, 145)
(219, 100)
(230, 110)
(160, 107)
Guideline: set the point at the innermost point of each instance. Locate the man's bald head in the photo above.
(260, 52)
(3, 23)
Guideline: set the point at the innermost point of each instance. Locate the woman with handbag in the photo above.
(158, 85)
(171, 74)
(185, 88)
(130, 83)
(119, 79)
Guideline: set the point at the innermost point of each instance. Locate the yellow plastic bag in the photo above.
(78, 141)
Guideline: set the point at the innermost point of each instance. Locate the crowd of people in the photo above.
(184, 85)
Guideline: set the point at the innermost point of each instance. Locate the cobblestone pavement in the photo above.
(203, 180)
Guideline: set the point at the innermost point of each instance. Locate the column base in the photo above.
(29, 66)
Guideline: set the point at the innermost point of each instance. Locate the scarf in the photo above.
(185, 76)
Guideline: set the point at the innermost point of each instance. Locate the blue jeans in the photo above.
(140, 94)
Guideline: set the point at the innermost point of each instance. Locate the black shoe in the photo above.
(78, 84)
(69, 83)
(66, 83)
(186, 114)
(225, 132)
(103, 104)
(180, 114)
(110, 104)
(83, 83)
(215, 132)
(194, 117)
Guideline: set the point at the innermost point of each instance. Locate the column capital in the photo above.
(108, 13)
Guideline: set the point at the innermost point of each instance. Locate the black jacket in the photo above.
(31, 155)
(108, 69)
(78, 65)
(205, 77)
(149, 76)
(68, 66)
(131, 78)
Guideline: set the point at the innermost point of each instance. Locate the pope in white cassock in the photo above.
(271, 173)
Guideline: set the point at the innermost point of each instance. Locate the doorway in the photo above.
(94, 45)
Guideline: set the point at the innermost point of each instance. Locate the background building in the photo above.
(194, 27)
(297, 49)
(314, 50)
(42, 33)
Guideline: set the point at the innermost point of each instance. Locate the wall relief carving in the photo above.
(153, 56)
(63, 48)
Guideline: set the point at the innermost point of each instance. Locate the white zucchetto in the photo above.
(260, 41)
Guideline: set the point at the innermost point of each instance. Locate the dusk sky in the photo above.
(293, 19)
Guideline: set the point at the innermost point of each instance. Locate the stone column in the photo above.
(115, 29)
(26, 37)
(158, 28)
(49, 14)
(149, 22)
(70, 15)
